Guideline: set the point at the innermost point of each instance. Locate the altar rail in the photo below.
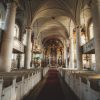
(85, 84)
(16, 84)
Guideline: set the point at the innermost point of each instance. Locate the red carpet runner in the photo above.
(52, 88)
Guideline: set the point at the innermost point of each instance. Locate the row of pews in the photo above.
(85, 84)
(16, 84)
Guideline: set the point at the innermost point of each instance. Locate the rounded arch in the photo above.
(49, 7)
(16, 31)
(49, 24)
(60, 38)
(56, 41)
(52, 12)
(86, 16)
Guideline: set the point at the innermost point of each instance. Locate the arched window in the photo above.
(2, 16)
(91, 36)
(91, 31)
(16, 31)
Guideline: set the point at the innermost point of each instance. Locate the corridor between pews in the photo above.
(52, 87)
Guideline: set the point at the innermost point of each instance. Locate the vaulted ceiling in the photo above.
(50, 18)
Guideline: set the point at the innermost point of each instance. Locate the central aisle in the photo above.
(52, 89)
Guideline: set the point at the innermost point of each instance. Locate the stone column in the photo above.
(49, 59)
(49, 56)
(7, 43)
(96, 22)
(57, 56)
(66, 57)
(28, 49)
(65, 46)
(67, 54)
(78, 49)
(71, 52)
(20, 56)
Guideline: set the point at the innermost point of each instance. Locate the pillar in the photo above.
(71, 51)
(21, 56)
(65, 46)
(67, 54)
(57, 56)
(49, 56)
(28, 49)
(96, 23)
(78, 50)
(49, 59)
(66, 57)
(7, 43)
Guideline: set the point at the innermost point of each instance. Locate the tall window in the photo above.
(2, 16)
(16, 31)
(91, 31)
(93, 62)
(83, 40)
